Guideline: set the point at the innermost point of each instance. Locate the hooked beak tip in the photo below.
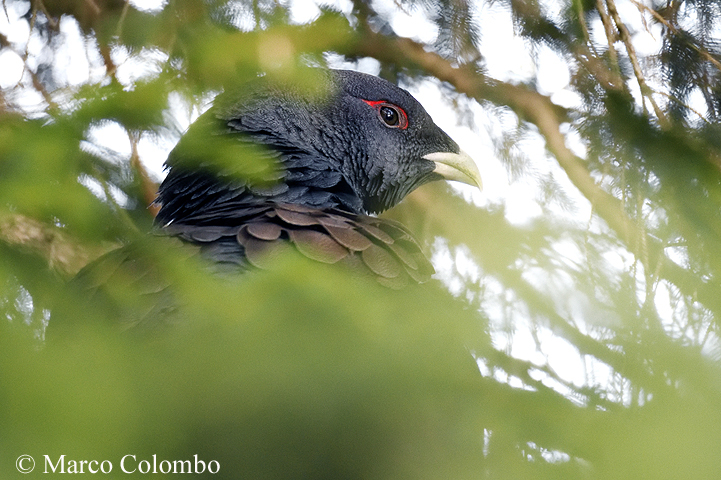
(458, 167)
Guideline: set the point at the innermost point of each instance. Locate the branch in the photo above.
(631, 51)
(62, 252)
(121, 20)
(540, 111)
(148, 187)
(704, 53)
(531, 106)
(608, 79)
(610, 35)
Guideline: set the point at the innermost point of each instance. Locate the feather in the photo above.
(318, 246)
(349, 237)
(264, 230)
(381, 262)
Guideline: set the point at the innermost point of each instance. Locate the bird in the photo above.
(310, 172)
(271, 170)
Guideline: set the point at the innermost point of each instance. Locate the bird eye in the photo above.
(391, 115)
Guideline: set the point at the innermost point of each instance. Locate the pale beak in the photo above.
(456, 166)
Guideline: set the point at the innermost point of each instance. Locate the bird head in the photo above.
(362, 144)
(401, 147)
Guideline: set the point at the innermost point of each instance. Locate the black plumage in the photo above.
(327, 161)
(267, 171)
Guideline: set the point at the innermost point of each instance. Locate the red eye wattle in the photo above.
(391, 115)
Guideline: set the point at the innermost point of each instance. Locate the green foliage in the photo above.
(304, 372)
(39, 170)
(358, 381)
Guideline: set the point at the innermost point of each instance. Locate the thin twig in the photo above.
(148, 187)
(39, 4)
(676, 31)
(610, 37)
(38, 85)
(121, 20)
(94, 7)
(625, 36)
(122, 213)
(26, 54)
(590, 61)
(689, 107)
(110, 68)
(584, 28)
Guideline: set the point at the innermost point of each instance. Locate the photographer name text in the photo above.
(128, 464)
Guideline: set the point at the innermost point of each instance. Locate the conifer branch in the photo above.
(610, 37)
(63, 253)
(704, 53)
(625, 37)
(539, 110)
(148, 187)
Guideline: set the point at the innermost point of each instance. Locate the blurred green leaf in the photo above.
(39, 170)
(139, 108)
(330, 377)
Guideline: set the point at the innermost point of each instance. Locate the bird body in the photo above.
(269, 171)
(327, 161)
